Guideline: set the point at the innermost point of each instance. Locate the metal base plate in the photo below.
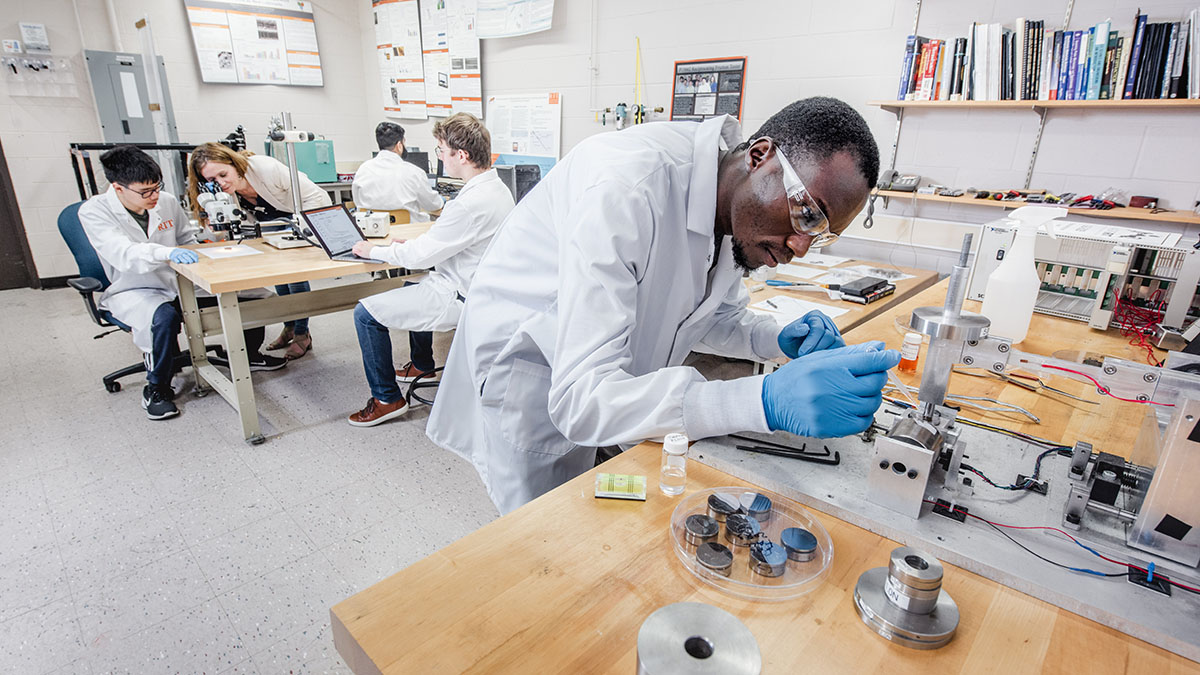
(918, 631)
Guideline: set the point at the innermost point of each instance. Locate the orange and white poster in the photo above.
(398, 49)
(466, 85)
(255, 41)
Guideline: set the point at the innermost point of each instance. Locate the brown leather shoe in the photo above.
(377, 413)
(284, 339)
(301, 345)
(408, 373)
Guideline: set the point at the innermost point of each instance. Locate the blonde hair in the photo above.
(212, 152)
(464, 131)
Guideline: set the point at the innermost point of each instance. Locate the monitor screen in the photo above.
(335, 227)
(418, 159)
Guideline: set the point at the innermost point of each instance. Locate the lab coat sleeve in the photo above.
(452, 233)
(117, 248)
(739, 333)
(427, 198)
(594, 399)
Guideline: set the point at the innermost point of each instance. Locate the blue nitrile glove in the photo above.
(812, 332)
(830, 393)
(183, 256)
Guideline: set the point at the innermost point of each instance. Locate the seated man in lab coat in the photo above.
(629, 255)
(454, 245)
(386, 182)
(136, 229)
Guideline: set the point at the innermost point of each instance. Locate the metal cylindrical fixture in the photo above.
(756, 506)
(800, 544)
(917, 432)
(700, 529)
(742, 530)
(715, 557)
(905, 603)
(721, 506)
(768, 559)
(692, 637)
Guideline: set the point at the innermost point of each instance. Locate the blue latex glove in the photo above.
(810, 333)
(183, 256)
(830, 393)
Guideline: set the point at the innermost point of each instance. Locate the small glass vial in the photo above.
(909, 351)
(673, 476)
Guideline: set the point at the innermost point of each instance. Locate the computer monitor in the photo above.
(418, 159)
(520, 178)
(441, 171)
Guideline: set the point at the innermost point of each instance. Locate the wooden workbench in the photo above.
(856, 314)
(563, 584)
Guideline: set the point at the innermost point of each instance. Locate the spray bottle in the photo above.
(1012, 289)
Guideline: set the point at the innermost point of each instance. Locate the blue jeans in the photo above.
(164, 329)
(298, 326)
(375, 343)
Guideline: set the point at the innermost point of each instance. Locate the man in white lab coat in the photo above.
(453, 246)
(387, 182)
(625, 258)
(137, 229)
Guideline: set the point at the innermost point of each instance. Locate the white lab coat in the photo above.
(593, 292)
(453, 245)
(388, 183)
(135, 263)
(272, 180)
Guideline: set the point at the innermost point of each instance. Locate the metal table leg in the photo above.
(194, 331)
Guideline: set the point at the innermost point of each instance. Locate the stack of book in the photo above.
(997, 63)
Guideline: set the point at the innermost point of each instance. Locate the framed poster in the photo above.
(706, 88)
(255, 41)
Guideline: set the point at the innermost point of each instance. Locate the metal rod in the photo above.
(293, 171)
(1037, 143)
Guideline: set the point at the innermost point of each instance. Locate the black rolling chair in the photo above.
(92, 280)
(422, 381)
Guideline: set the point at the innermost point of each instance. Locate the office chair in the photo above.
(422, 381)
(92, 280)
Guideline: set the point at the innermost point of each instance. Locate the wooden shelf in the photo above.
(1122, 213)
(1126, 104)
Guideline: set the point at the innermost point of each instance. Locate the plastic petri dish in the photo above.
(798, 578)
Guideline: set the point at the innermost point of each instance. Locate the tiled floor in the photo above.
(173, 547)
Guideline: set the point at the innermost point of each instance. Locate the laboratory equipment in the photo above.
(222, 213)
(374, 224)
(672, 475)
(904, 602)
(1012, 288)
(693, 637)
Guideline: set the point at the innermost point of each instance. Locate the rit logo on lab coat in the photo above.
(166, 225)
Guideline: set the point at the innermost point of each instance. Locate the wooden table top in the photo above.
(563, 584)
(857, 314)
(280, 266)
(1111, 426)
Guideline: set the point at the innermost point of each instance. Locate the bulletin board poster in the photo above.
(466, 85)
(398, 51)
(509, 18)
(707, 88)
(435, 48)
(525, 129)
(255, 41)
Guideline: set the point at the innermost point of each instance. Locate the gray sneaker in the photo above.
(157, 403)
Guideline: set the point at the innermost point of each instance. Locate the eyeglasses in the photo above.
(807, 217)
(145, 194)
(437, 151)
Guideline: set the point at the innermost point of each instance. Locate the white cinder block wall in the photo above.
(850, 49)
(36, 132)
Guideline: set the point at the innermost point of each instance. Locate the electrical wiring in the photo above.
(1030, 481)
(1130, 566)
(1104, 390)
(1135, 322)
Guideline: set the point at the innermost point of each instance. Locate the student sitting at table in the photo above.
(136, 229)
(387, 182)
(454, 244)
(263, 188)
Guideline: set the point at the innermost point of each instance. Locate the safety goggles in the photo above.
(147, 193)
(807, 218)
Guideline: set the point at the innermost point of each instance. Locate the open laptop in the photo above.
(336, 232)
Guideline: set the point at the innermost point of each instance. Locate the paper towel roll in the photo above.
(692, 637)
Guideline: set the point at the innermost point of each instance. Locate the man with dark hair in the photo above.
(628, 255)
(137, 229)
(453, 246)
(387, 182)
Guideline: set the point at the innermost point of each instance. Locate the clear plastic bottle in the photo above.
(1012, 288)
(910, 351)
(673, 476)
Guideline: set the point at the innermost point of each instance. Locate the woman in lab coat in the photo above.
(624, 259)
(263, 188)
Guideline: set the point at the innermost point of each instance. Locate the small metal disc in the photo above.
(918, 631)
(742, 530)
(722, 505)
(716, 557)
(767, 559)
(699, 529)
(756, 506)
(799, 543)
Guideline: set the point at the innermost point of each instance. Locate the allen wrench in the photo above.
(825, 456)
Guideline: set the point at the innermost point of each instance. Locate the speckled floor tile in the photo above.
(93, 555)
(31, 582)
(199, 640)
(309, 651)
(379, 551)
(249, 552)
(41, 640)
(224, 509)
(318, 475)
(283, 601)
(344, 511)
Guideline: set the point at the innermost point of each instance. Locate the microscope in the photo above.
(222, 212)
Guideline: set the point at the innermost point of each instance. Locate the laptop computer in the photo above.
(336, 232)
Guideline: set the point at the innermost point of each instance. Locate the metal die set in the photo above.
(904, 602)
(752, 544)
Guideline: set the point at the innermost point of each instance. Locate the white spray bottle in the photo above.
(1012, 289)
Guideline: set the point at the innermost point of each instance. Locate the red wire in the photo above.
(1135, 322)
(1068, 536)
(1100, 388)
